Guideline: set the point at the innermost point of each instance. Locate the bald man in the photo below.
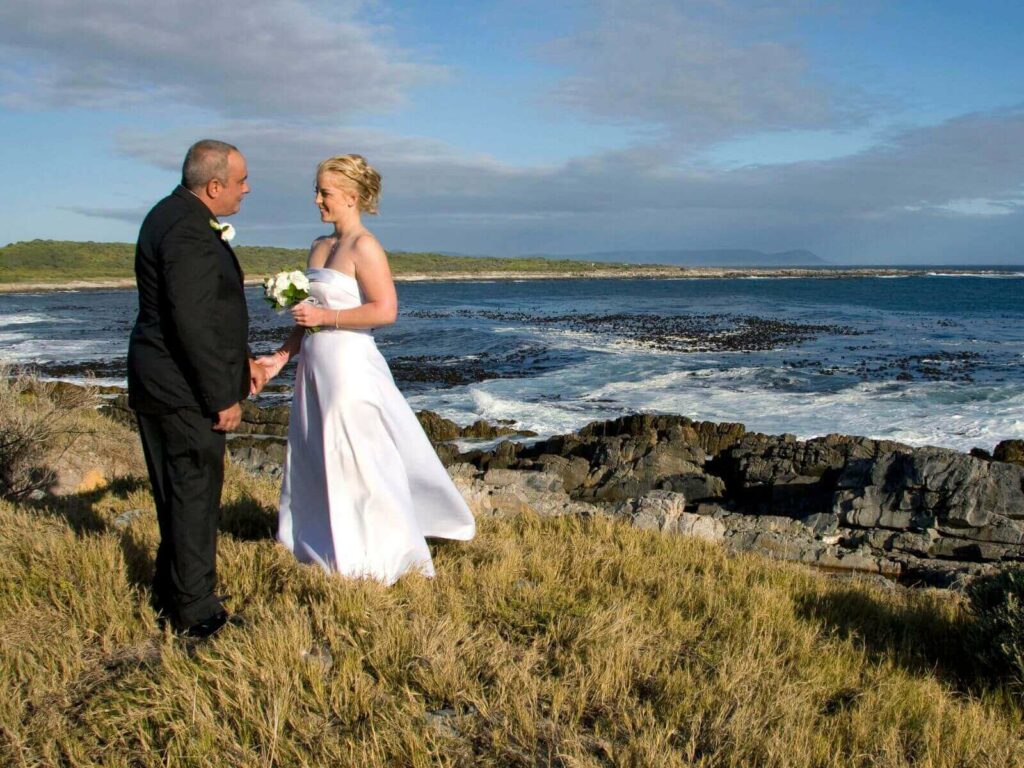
(189, 368)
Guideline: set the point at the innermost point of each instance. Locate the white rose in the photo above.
(281, 282)
(227, 233)
(300, 281)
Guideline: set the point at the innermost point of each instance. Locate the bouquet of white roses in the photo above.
(286, 289)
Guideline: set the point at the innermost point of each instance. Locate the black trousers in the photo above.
(185, 459)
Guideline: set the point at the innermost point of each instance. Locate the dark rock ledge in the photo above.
(931, 516)
(918, 515)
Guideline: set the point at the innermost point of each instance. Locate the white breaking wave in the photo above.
(30, 318)
(931, 413)
(591, 341)
(913, 415)
(993, 275)
(98, 381)
(26, 349)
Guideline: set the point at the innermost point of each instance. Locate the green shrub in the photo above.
(998, 605)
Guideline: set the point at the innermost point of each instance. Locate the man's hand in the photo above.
(258, 375)
(228, 419)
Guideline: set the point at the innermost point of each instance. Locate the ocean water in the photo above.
(935, 358)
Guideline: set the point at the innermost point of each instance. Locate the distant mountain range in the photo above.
(720, 257)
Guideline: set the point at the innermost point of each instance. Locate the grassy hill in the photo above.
(59, 261)
(542, 642)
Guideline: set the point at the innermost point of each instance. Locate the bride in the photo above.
(362, 483)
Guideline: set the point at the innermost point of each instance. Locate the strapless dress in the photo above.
(363, 487)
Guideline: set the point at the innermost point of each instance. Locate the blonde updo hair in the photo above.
(360, 173)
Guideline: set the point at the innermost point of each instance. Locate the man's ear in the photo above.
(213, 187)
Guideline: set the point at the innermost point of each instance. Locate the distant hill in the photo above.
(722, 257)
(55, 261)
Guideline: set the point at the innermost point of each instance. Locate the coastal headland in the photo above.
(44, 265)
(596, 273)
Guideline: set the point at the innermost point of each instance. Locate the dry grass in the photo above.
(38, 424)
(542, 642)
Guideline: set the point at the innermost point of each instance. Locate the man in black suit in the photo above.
(189, 368)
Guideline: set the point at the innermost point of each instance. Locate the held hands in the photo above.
(229, 419)
(258, 377)
(271, 365)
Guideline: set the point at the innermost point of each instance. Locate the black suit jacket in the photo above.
(188, 347)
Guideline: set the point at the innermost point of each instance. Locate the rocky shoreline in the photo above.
(675, 333)
(918, 516)
(637, 272)
(930, 516)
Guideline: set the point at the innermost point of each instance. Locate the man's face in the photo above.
(230, 194)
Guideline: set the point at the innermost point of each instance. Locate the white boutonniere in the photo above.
(227, 232)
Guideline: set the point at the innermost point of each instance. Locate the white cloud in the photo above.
(285, 81)
(703, 71)
(127, 215)
(907, 191)
(983, 206)
(248, 59)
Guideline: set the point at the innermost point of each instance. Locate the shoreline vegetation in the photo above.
(52, 265)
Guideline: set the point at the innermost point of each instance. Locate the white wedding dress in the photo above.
(363, 486)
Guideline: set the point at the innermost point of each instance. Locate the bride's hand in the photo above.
(308, 316)
(272, 364)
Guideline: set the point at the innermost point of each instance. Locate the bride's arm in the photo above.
(374, 276)
(273, 363)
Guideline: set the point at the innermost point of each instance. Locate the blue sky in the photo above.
(868, 132)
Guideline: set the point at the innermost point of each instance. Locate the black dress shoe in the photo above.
(211, 626)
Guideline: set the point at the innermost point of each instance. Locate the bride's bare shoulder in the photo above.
(318, 250)
(366, 246)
